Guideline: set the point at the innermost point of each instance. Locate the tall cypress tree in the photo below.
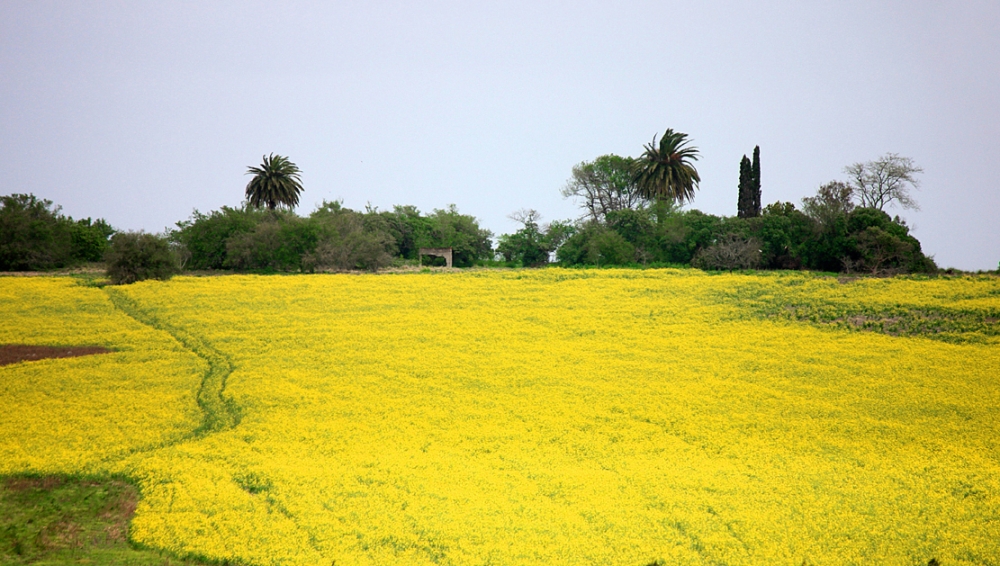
(755, 181)
(744, 206)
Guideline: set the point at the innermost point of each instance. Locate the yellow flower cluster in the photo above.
(70, 415)
(526, 417)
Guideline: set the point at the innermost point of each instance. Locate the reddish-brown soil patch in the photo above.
(13, 353)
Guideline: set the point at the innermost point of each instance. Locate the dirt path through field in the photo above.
(220, 412)
(14, 353)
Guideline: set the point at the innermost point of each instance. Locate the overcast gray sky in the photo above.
(139, 112)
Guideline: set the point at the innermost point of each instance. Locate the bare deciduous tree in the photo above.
(888, 179)
(526, 216)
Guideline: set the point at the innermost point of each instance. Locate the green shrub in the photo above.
(354, 250)
(135, 256)
(524, 247)
(408, 228)
(531, 245)
(883, 245)
(783, 233)
(596, 244)
(332, 237)
(90, 239)
(350, 240)
(205, 236)
(449, 229)
(730, 252)
(35, 236)
(681, 234)
(278, 243)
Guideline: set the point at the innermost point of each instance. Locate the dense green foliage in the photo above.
(449, 229)
(744, 203)
(604, 185)
(409, 229)
(35, 236)
(137, 256)
(748, 203)
(331, 238)
(595, 243)
(277, 243)
(203, 237)
(349, 240)
(828, 234)
(782, 237)
(532, 245)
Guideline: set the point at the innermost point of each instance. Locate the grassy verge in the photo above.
(71, 520)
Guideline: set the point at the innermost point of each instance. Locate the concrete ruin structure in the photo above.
(437, 252)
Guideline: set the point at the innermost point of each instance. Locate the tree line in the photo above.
(626, 221)
(35, 236)
(632, 215)
(332, 237)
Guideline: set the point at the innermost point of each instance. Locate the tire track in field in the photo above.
(219, 413)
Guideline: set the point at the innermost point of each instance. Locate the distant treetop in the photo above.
(276, 182)
(665, 172)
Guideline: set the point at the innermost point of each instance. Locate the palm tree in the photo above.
(664, 172)
(276, 182)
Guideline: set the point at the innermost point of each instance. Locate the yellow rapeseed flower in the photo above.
(525, 417)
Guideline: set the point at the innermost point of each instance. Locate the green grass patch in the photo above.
(72, 520)
(839, 303)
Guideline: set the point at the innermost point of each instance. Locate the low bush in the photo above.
(136, 256)
(729, 253)
(350, 240)
(277, 243)
(204, 237)
(595, 244)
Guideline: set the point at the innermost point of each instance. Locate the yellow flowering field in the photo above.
(74, 414)
(526, 417)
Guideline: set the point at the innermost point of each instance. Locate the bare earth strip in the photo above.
(14, 353)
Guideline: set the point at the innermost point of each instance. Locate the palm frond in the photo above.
(664, 171)
(275, 183)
